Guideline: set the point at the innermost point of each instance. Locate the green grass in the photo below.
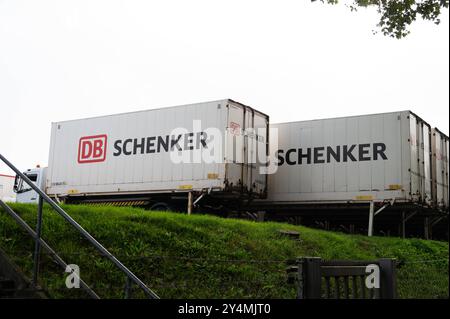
(201, 256)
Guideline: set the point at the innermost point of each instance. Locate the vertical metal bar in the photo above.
(37, 244)
(371, 215)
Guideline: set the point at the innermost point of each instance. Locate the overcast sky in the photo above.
(294, 60)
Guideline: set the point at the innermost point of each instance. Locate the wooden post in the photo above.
(312, 278)
(388, 282)
(190, 203)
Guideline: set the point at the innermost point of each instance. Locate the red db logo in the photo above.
(92, 149)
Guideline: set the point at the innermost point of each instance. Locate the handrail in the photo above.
(130, 275)
(56, 257)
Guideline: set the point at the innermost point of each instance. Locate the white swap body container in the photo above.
(352, 159)
(131, 153)
(440, 168)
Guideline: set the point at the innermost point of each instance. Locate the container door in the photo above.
(255, 150)
(420, 160)
(440, 163)
(246, 137)
(249, 149)
(259, 149)
(446, 172)
(415, 158)
(234, 156)
(427, 163)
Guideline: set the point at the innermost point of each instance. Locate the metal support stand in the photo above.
(372, 214)
(405, 218)
(190, 203)
(426, 230)
(432, 223)
(260, 216)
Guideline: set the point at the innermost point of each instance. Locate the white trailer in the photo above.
(440, 168)
(378, 157)
(6, 188)
(196, 148)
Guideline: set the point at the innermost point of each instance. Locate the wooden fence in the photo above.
(341, 279)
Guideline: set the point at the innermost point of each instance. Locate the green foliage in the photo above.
(201, 256)
(397, 15)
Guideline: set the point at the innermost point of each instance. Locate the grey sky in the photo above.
(294, 60)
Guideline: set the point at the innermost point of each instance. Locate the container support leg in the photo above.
(426, 224)
(371, 215)
(190, 203)
(405, 218)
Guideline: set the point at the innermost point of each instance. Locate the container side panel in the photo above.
(329, 176)
(351, 165)
(357, 158)
(293, 181)
(131, 152)
(318, 155)
(392, 137)
(303, 158)
(363, 155)
(340, 169)
(378, 132)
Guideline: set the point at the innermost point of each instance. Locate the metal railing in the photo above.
(39, 242)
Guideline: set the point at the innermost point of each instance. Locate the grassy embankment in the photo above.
(200, 256)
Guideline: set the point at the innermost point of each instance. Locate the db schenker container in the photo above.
(159, 151)
(440, 168)
(352, 159)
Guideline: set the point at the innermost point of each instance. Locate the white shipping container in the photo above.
(6, 188)
(133, 152)
(352, 159)
(440, 168)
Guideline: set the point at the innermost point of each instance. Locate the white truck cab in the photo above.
(24, 193)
